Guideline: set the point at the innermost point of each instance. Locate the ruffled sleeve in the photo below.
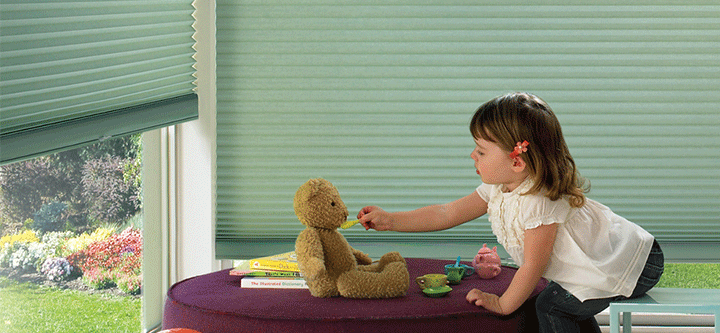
(540, 210)
(484, 191)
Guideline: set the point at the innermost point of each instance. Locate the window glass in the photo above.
(72, 221)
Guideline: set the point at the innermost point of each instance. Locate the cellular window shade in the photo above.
(74, 72)
(376, 97)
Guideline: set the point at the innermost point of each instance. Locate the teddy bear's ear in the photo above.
(308, 190)
(315, 185)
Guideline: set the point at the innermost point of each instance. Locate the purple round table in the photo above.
(215, 303)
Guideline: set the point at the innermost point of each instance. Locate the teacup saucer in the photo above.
(468, 269)
(437, 292)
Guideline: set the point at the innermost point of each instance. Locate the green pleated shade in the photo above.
(376, 96)
(66, 62)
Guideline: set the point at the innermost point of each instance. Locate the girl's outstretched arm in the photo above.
(538, 249)
(430, 218)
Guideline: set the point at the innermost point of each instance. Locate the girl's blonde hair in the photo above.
(517, 117)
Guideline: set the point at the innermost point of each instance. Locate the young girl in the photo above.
(537, 208)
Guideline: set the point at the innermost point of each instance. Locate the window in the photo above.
(75, 219)
(78, 73)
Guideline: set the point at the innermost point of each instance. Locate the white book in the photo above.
(273, 282)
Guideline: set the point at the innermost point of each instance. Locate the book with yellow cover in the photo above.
(244, 269)
(286, 262)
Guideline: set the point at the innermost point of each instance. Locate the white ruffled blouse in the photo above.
(597, 253)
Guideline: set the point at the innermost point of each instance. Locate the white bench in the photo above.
(666, 300)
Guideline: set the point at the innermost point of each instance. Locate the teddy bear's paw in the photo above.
(392, 257)
(362, 258)
(378, 266)
(369, 268)
(322, 287)
(396, 279)
(399, 272)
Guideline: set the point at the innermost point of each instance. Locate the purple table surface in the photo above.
(215, 302)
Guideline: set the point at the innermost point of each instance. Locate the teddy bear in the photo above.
(487, 262)
(328, 263)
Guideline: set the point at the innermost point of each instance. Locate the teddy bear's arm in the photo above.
(361, 257)
(309, 250)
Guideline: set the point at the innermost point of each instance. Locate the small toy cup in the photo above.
(463, 271)
(431, 281)
(455, 274)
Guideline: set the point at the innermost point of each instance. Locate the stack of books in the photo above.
(276, 271)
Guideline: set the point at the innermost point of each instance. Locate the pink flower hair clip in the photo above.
(519, 149)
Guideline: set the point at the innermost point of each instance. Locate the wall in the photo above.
(195, 156)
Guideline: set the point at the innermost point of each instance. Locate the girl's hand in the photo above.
(487, 301)
(376, 218)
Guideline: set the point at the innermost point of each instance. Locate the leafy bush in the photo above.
(28, 185)
(25, 185)
(112, 195)
(49, 217)
(56, 269)
(5, 252)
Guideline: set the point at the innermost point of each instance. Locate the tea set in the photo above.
(486, 264)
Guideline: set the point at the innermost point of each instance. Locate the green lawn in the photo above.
(27, 307)
(697, 276)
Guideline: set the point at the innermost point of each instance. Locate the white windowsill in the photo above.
(663, 322)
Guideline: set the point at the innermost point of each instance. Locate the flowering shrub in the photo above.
(117, 256)
(131, 252)
(5, 240)
(105, 259)
(27, 236)
(27, 256)
(129, 284)
(18, 257)
(15, 251)
(98, 278)
(55, 241)
(25, 253)
(81, 242)
(122, 251)
(56, 269)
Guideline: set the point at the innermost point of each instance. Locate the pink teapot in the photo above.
(487, 262)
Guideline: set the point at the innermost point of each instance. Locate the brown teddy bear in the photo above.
(329, 264)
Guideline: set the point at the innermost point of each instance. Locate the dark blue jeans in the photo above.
(559, 311)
